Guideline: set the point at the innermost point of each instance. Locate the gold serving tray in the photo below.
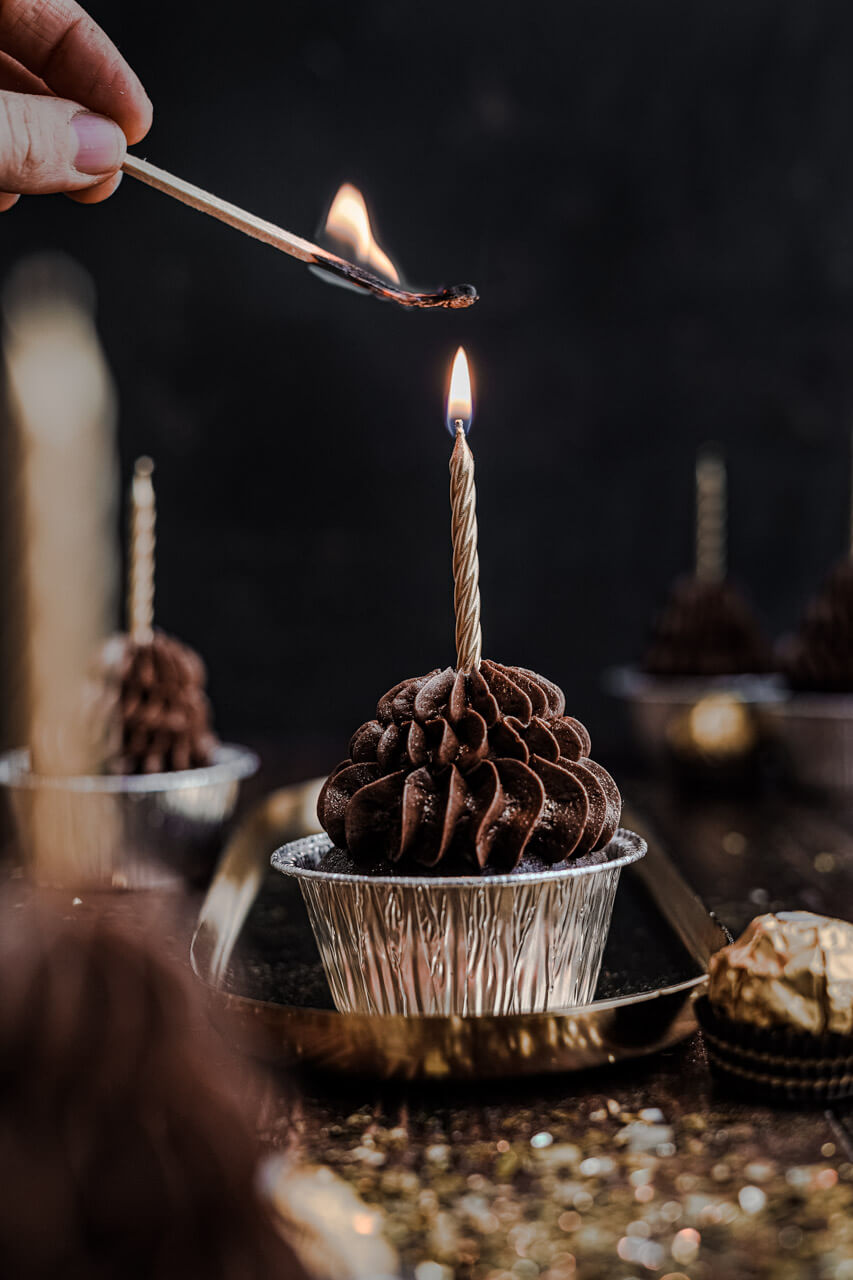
(600, 1033)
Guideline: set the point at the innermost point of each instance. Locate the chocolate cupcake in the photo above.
(159, 788)
(778, 1016)
(472, 851)
(815, 725)
(696, 700)
(470, 773)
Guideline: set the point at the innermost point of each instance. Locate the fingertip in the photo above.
(7, 200)
(139, 118)
(99, 192)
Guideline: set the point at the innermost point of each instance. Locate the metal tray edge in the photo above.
(598, 1034)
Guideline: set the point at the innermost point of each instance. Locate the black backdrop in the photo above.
(655, 199)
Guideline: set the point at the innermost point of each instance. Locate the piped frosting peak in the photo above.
(470, 771)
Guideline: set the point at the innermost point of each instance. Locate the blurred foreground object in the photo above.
(339, 1236)
(62, 413)
(123, 1151)
(61, 410)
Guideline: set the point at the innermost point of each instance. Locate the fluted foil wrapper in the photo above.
(531, 942)
(792, 970)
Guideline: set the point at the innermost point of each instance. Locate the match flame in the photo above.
(459, 405)
(349, 224)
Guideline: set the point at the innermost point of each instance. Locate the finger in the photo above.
(58, 42)
(16, 78)
(101, 190)
(7, 199)
(47, 144)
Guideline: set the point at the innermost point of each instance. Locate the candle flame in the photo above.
(349, 224)
(459, 403)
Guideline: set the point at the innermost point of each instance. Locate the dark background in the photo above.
(655, 199)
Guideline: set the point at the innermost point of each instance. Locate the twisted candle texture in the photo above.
(710, 518)
(140, 606)
(466, 562)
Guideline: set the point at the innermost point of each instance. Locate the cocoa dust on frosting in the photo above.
(470, 772)
(706, 628)
(820, 657)
(148, 706)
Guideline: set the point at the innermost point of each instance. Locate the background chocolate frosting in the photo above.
(148, 706)
(706, 629)
(470, 772)
(820, 657)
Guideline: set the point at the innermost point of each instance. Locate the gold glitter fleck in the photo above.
(540, 1140)
(751, 1199)
(685, 1245)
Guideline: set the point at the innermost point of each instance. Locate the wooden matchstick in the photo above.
(453, 297)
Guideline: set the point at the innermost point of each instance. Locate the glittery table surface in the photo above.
(643, 1170)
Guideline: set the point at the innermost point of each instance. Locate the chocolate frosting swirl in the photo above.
(706, 629)
(151, 711)
(820, 657)
(469, 772)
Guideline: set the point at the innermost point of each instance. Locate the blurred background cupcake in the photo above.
(121, 782)
(694, 699)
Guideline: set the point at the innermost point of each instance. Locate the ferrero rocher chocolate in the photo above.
(793, 970)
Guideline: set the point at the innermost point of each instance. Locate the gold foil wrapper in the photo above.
(793, 970)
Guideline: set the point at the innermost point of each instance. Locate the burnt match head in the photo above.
(453, 298)
(357, 259)
(456, 297)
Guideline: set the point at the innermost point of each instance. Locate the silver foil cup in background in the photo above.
(528, 942)
(815, 736)
(134, 831)
(712, 718)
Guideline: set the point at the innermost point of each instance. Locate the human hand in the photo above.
(69, 103)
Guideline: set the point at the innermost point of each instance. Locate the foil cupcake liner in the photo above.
(134, 831)
(695, 718)
(815, 735)
(528, 942)
(775, 1064)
